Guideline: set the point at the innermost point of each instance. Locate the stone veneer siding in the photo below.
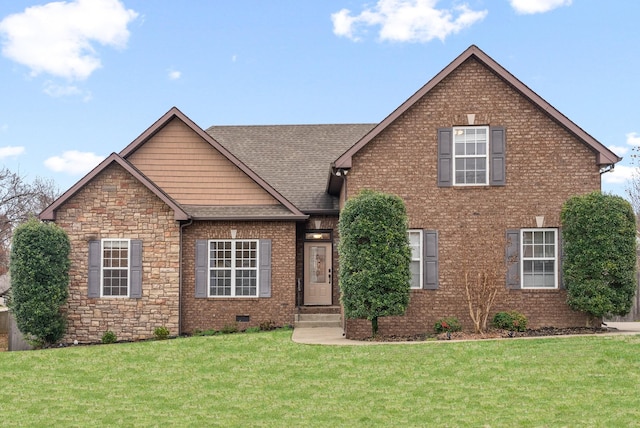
(545, 165)
(115, 205)
(218, 312)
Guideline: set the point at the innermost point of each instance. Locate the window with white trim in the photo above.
(415, 243)
(539, 258)
(233, 268)
(114, 269)
(470, 155)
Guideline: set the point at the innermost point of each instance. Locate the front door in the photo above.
(317, 273)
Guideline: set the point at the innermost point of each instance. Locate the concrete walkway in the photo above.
(335, 335)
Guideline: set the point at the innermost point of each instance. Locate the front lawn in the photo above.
(264, 379)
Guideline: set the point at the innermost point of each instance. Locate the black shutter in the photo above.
(201, 268)
(445, 157)
(95, 255)
(265, 267)
(430, 255)
(512, 258)
(135, 284)
(497, 152)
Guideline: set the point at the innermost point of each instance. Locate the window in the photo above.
(470, 152)
(472, 156)
(539, 255)
(233, 268)
(415, 243)
(115, 267)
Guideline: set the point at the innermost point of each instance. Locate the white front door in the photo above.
(317, 273)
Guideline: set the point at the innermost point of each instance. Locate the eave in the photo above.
(604, 156)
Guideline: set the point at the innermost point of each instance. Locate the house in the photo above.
(197, 229)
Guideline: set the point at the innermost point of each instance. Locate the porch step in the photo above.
(317, 320)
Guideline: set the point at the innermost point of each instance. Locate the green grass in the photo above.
(264, 379)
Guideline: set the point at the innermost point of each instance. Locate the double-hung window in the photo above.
(115, 267)
(539, 258)
(233, 268)
(470, 154)
(416, 266)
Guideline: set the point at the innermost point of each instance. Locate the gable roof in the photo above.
(50, 212)
(604, 156)
(294, 159)
(293, 212)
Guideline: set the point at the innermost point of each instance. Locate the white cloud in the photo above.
(406, 20)
(73, 162)
(174, 74)
(11, 151)
(56, 91)
(619, 150)
(621, 174)
(58, 38)
(526, 7)
(633, 139)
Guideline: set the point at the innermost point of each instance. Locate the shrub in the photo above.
(109, 337)
(267, 325)
(209, 332)
(511, 320)
(374, 257)
(447, 325)
(39, 280)
(161, 333)
(599, 233)
(229, 329)
(253, 330)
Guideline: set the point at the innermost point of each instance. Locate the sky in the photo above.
(80, 79)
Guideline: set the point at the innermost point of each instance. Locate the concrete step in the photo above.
(317, 320)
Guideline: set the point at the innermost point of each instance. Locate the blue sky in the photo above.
(82, 79)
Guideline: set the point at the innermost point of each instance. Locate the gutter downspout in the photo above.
(180, 287)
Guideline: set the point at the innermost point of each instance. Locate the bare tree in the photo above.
(19, 200)
(633, 186)
(482, 273)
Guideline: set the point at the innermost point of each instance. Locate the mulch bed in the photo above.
(492, 334)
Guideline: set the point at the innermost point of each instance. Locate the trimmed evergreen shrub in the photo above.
(374, 257)
(39, 280)
(599, 264)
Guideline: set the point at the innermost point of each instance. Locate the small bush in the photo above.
(210, 332)
(267, 325)
(253, 330)
(109, 337)
(511, 320)
(161, 333)
(447, 325)
(229, 329)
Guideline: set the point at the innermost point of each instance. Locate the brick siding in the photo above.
(545, 165)
(217, 313)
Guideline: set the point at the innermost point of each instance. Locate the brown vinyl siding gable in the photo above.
(192, 172)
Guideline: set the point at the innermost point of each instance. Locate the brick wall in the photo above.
(216, 313)
(116, 205)
(545, 165)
